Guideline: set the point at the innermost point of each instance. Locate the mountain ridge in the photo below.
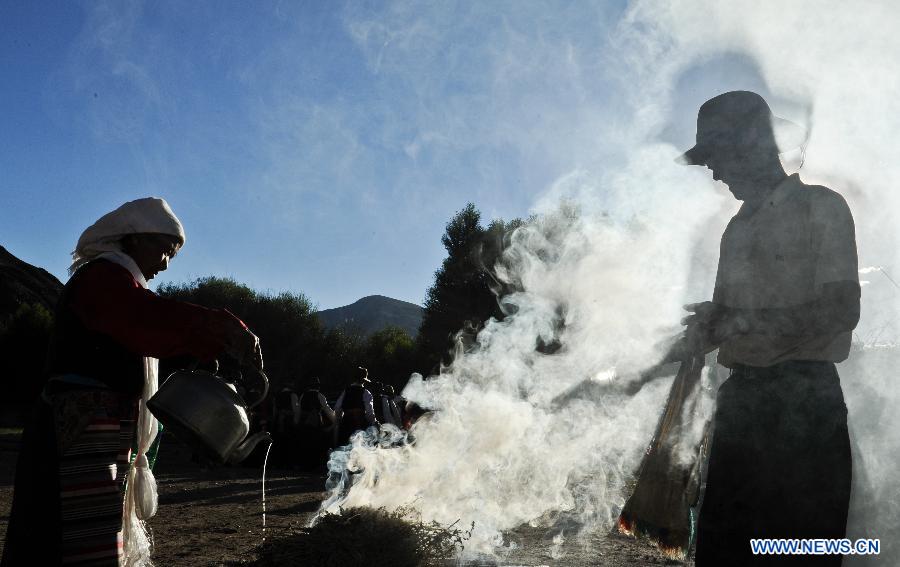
(21, 283)
(373, 313)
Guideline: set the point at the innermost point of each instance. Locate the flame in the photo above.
(628, 527)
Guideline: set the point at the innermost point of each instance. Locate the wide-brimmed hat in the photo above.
(740, 121)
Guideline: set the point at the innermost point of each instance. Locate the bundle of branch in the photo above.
(668, 484)
(365, 536)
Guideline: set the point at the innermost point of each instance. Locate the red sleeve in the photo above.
(109, 300)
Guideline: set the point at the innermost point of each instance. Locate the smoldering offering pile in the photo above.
(365, 536)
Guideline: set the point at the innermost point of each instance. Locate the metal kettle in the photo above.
(207, 413)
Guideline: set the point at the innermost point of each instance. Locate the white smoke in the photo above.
(507, 445)
(608, 282)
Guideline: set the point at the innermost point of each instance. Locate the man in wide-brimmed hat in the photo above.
(354, 409)
(786, 300)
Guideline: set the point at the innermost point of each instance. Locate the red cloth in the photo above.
(109, 300)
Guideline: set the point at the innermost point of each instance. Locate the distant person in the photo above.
(412, 413)
(388, 410)
(287, 409)
(109, 332)
(286, 414)
(785, 302)
(316, 427)
(314, 408)
(400, 402)
(354, 409)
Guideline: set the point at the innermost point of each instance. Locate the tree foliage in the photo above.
(390, 356)
(296, 347)
(464, 293)
(289, 331)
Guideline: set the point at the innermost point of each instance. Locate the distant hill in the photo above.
(374, 313)
(20, 282)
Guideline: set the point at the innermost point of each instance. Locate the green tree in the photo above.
(390, 356)
(290, 333)
(464, 293)
(296, 347)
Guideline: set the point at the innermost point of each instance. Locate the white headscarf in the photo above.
(103, 239)
(148, 215)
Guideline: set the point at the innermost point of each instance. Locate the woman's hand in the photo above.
(251, 350)
(238, 341)
(244, 346)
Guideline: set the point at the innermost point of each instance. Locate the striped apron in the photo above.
(94, 434)
(69, 491)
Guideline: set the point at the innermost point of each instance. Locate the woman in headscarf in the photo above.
(110, 331)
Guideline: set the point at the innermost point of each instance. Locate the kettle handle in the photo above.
(195, 365)
(213, 367)
(265, 389)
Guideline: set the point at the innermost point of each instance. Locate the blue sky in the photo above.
(320, 147)
(307, 146)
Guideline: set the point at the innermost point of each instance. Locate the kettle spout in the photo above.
(243, 450)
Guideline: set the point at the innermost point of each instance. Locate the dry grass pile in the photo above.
(365, 536)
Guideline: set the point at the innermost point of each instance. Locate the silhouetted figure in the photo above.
(786, 300)
(413, 412)
(316, 426)
(400, 402)
(91, 427)
(354, 409)
(286, 414)
(388, 412)
(287, 409)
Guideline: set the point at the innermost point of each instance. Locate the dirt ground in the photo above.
(213, 516)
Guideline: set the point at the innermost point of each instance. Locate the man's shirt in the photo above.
(781, 255)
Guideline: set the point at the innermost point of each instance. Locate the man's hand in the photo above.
(704, 313)
(711, 324)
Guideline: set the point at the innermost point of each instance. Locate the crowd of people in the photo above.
(306, 427)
